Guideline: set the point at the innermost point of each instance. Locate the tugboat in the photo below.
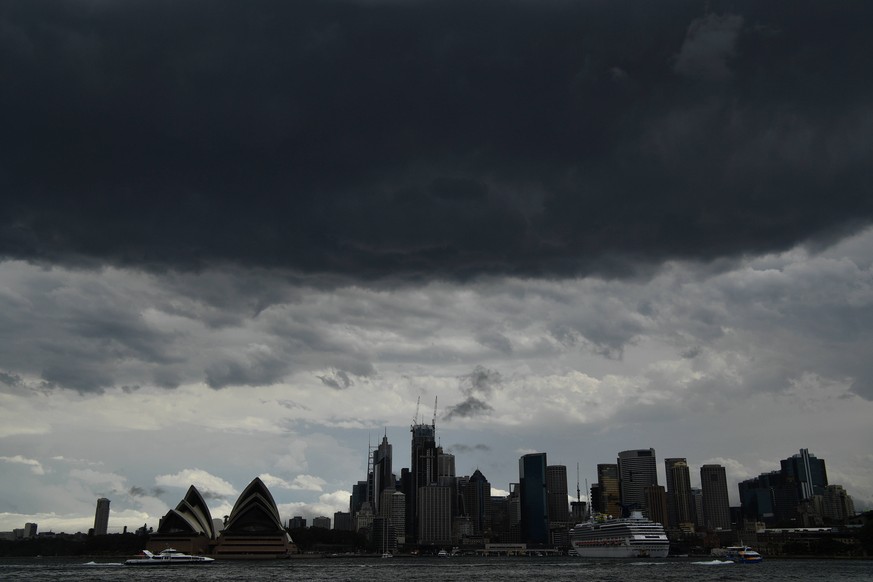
(168, 557)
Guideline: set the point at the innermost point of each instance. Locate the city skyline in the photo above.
(244, 240)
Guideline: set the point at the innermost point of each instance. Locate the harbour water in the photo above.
(448, 569)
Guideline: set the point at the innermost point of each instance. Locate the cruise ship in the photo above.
(630, 537)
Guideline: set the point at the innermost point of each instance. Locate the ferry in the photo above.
(168, 557)
(743, 555)
(630, 537)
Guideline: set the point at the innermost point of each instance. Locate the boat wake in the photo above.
(102, 564)
(713, 563)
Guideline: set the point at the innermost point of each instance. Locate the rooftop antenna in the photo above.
(578, 492)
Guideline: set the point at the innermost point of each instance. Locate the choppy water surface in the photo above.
(460, 569)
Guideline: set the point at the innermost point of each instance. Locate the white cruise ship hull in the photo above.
(621, 551)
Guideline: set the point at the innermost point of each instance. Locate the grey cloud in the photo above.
(338, 380)
(10, 379)
(709, 45)
(481, 380)
(462, 448)
(470, 407)
(343, 140)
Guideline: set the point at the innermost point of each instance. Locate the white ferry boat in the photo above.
(168, 557)
(630, 537)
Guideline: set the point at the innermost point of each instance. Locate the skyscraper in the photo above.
(422, 472)
(101, 517)
(477, 501)
(656, 503)
(556, 488)
(383, 477)
(533, 498)
(716, 505)
(679, 505)
(636, 470)
(609, 491)
(808, 472)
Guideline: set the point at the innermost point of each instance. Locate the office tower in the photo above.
(556, 487)
(321, 521)
(697, 508)
(609, 490)
(808, 472)
(422, 472)
(342, 521)
(434, 515)
(837, 505)
(397, 515)
(636, 471)
(30, 530)
(679, 508)
(533, 497)
(383, 536)
(445, 468)
(596, 499)
(101, 517)
(477, 497)
(383, 477)
(716, 505)
(358, 497)
(656, 503)
(297, 522)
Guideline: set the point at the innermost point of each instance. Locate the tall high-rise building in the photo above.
(342, 520)
(636, 470)
(697, 508)
(656, 503)
(533, 498)
(383, 477)
(434, 515)
(422, 473)
(716, 504)
(679, 507)
(477, 501)
(808, 472)
(556, 488)
(101, 517)
(321, 521)
(609, 490)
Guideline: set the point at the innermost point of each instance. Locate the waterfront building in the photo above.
(254, 529)
(342, 521)
(422, 473)
(836, 504)
(556, 486)
(656, 503)
(697, 508)
(188, 528)
(608, 494)
(679, 508)
(477, 496)
(716, 504)
(636, 470)
(321, 521)
(807, 472)
(382, 472)
(297, 522)
(101, 517)
(434, 515)
(533, 496)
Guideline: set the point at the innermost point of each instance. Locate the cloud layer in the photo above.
(429, 138)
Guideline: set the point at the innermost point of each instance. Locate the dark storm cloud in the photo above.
(477, 386)
(430, 138)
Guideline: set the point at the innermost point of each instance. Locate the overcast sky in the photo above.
(243, 239)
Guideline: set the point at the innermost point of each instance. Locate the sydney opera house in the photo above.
(252, 531)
